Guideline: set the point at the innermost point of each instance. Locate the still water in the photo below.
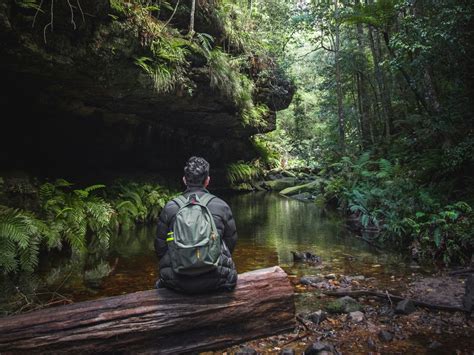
(269, 228)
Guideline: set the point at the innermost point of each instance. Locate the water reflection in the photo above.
(269, 228)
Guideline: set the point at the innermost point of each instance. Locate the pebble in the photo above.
(435, 345)
(385, 336)
(246, 351)
(310, 280)
(356, 316)
(317, 317)
(405, 307)
(330, 276)
(371, 344)
(319, 348)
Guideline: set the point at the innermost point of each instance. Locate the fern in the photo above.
(19, 240)
(241, 172)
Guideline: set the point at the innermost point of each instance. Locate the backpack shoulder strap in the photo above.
(206, 198)
(181, 201)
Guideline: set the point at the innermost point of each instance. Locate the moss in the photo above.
(343, 305)
(309, 187)
(280, 184)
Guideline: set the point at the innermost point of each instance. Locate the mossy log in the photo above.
(158, 321)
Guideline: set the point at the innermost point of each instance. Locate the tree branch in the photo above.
(358, 293)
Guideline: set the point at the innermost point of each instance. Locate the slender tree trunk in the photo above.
(409, 80)
(387, 94)
(385, 100)
(430, 92)
(430, 95)
(340, 108)
(364, 107)
(191, 20)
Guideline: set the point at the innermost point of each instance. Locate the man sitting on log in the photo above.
(196, 237)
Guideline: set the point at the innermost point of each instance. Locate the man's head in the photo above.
(196, 172)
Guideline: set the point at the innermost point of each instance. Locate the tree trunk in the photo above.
(363, 99)
(158, 321)
(340, 107)
(384, 93)
(191, 20)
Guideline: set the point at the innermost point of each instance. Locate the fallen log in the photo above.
(358, 293)
(158, 321)
(461, 272)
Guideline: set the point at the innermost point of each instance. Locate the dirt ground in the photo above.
(381, 331)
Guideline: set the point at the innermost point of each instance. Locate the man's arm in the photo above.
(230, 230)
(161, 247)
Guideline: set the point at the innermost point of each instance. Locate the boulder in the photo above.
(306, 256)
(280, 184)
(343, 305)
(309, 187)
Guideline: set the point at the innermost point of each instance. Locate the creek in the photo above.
(269, 228)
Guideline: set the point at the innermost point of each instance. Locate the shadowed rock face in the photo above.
(79, 101)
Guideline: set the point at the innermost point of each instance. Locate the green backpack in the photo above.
(194, 244)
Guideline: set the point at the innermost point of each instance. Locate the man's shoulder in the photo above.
(171, 205)
(218, 203)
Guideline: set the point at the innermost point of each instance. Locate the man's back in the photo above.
(225, 276)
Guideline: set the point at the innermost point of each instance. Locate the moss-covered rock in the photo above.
(344, 305)
(294, 190)
(280, 184)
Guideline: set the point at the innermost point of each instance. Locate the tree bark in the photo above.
(158, 321)
(363, 99)
(340, 107)
(191, 19)
(383, 88)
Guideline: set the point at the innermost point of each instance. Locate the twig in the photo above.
(52, 15)
(295, 338)
(51, 22)
(62, 283)
(388, 296)
(460, 272)
(171, 17)
(38, 9)
(80, 9)
(72, 14)
(396, 298)
(301, 320)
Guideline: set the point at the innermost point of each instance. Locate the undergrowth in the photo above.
(73, 218)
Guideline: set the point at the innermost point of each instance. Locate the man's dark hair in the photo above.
(196, 171)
